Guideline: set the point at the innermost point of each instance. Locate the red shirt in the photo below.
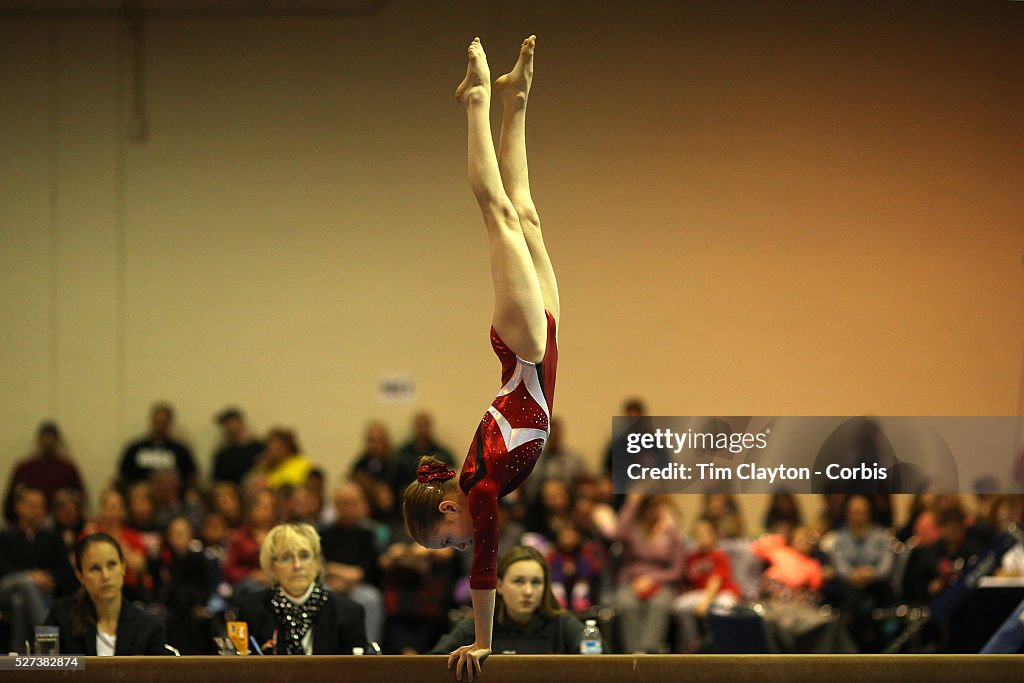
(506, 446)
(788, 565)
(48, 474)
(243, 554)
(700, 567)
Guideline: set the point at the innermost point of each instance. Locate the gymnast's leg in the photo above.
(514, 90)
(518, 302)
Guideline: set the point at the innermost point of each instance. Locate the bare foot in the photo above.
(514, 87)
(476, 86)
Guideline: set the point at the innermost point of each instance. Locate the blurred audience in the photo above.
(158, 450)
(48, 468)
(650, 570)
(238, 449)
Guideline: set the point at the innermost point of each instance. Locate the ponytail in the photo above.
(434, 480)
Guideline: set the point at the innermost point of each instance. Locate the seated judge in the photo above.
(299, 615)
(98, 620)
(527, 616)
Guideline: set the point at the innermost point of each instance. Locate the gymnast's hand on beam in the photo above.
(468, 658)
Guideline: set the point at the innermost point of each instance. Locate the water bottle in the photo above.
(590, 641)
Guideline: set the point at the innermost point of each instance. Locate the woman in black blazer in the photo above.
(299, 615)
(98, 620)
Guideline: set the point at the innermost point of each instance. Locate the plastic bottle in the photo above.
(590, 641)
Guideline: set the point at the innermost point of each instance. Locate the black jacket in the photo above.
(138, 633)
(558, 635)
(44, 550)
(339, 626)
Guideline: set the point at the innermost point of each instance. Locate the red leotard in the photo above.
(506, 446)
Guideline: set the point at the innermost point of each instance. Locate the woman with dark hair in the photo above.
(783, 514)
(112, 521)
(242, 567)
(650, 569)
(440, 508)
(98, 620)
(527, 617)
(282, 461)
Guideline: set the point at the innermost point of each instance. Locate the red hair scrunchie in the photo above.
(428, 473)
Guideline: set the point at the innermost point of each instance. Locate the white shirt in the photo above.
(105, 644)
(1013, 561)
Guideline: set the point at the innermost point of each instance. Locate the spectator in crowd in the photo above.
(418, 584)
(216, 535)
(48, 468)
(238, 449)
(527, 617)
(316, 485)
(33, 565)
(158, 450)
(556, 462)
(1009, 510)
(933, 568)
(351, 556)
(377, 471)
(282, 461)
(724, 511)
(113, 513)
(576, 566)
(634, 408)
(791, 565)
(100, 620)
(242, 567)
(920, 507)
(651, 568)
(423, 442)
(142, 517)
(833, 514)
(226, 499)
(647, 457)
(299, 504)
(68, 517)
(171, 503)
(746, 566)
(183, 586)
(552, 510)
(298, 615)
(863, 563)
(783, 514)
(592, 512)
(709, 582)
(511, 529)
(791, 598)
(881, 509)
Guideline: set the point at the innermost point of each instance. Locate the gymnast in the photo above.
(439, 510)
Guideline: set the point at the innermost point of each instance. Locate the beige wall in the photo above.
(753, 208)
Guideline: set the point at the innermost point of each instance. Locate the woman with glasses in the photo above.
(299, 615)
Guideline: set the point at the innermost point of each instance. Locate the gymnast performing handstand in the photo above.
(439, 510)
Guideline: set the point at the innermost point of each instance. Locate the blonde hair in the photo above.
(420, 502)
(285, 537)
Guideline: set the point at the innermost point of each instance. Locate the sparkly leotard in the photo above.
(506, 446)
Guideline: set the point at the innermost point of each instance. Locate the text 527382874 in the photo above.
(37, 663)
